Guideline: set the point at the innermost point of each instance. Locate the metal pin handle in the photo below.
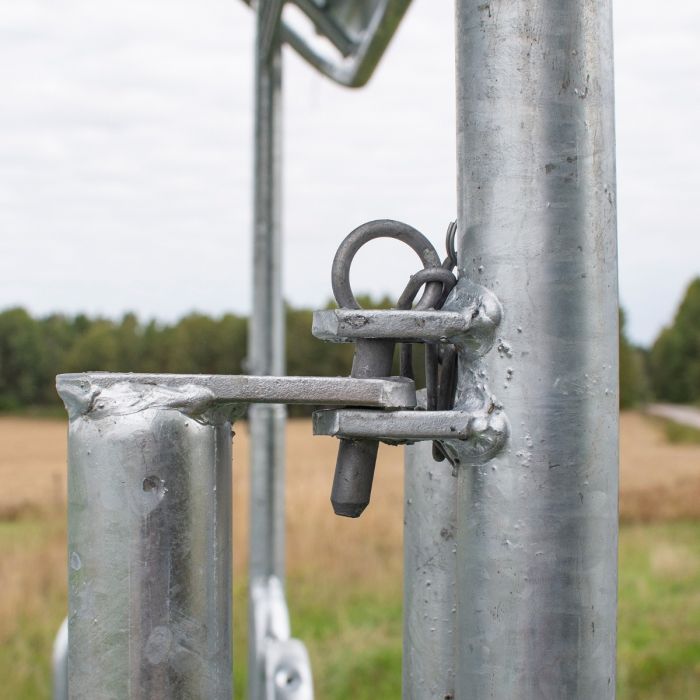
(354, 468)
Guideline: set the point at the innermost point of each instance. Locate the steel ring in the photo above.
(450, 243)
(382, 228)
(432, 274)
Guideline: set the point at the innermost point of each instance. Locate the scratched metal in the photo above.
(199, 393)
(347, 325)
(430, 576)
(537, 526)
(481, 433)
(149, 546)
(150, 526)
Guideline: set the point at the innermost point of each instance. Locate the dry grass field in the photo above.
(344, 576)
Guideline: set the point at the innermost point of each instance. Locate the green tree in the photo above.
(58, 335)
(97, 349)
(634, 385)
(674, 360)
(21, 359)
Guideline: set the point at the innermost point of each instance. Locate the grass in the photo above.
(31, 607)
(353, 632)
(659, 612)
(679, 434)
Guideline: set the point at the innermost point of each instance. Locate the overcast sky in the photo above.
(125, 156)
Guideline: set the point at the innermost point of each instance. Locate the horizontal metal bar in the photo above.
(347, 325)
(397, 426)
(197, 391)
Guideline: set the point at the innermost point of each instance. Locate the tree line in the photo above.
(34, 350)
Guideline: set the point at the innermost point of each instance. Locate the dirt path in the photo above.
(685, 415)
(658, 481)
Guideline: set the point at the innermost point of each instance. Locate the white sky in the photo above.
(125, 156)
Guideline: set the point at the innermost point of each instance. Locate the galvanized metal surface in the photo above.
(348, 325)
(196, 393)
(287, 669)
(537, 527)
(484, 433)
(266, 345)
(430, 573)
(149, 542)
(468, 320)
(267, 334)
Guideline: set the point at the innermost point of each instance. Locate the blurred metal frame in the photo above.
(359, 31)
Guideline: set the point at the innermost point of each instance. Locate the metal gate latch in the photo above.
(466, 423)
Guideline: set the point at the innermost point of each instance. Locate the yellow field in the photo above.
(657, 480)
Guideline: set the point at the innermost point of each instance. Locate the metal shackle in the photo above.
(354, 470)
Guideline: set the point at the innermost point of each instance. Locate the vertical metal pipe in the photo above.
(537, 526)
(149, 538)
(430, 563)
(266, 337)
(59, 664)
(266, 351)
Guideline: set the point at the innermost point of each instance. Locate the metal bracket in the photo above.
(477, 428)
(482, 432)
(200, 394)
(471, 329)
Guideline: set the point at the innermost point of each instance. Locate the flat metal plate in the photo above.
(347, 325)
(395, 426)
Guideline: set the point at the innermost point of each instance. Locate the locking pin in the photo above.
(354, 471)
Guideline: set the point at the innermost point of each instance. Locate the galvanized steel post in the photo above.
(537, 525)
(430, 558)
(149, 538)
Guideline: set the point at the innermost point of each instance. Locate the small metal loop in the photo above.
(450, 245)
(382, 228)
(426, 276)
(433, 274)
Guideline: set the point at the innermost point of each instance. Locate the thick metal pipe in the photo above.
(537, 526)
(430, 563)
(149, 545)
